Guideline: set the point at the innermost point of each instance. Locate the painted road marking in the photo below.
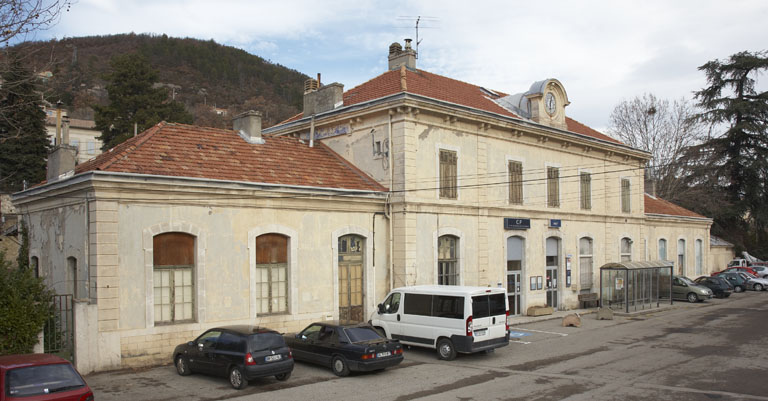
(517, 334)
(545, 332)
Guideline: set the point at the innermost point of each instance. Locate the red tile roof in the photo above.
(180, 150)
(655, 205)
(442, 88)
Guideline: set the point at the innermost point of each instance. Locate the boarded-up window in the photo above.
(271, 274)
(174, 261)
(626, 250)
(586, 191)
(447, 260)
(515, 183)
(625, 195)
(553, 187)
(448, 161)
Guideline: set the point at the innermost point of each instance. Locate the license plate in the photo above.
(272, 358)
(383, 354)
(481, 333)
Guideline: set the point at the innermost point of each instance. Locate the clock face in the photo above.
(550, 103)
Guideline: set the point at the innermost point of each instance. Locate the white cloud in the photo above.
(602, 51)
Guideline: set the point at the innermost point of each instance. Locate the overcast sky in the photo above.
(602, 51)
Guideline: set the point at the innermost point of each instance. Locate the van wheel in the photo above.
(445, 349)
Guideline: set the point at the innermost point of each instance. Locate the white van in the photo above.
(449, 318)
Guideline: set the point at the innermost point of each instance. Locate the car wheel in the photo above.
(738, 288)
(445, 350)
(692, 298)
(726, 295)
(339, 366)
(182, 366)
(237, 379)
(283, 376)
(758, 287)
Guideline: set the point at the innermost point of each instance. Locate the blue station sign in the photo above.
(555, 223)
(511, 223)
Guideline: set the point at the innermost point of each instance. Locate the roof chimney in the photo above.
(248, 126)
(61, 162)
(399, 56)
(65, 129)
(322, 98)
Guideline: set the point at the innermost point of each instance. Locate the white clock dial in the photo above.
(550, 103)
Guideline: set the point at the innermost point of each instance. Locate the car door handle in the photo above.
(494, 320)
(398, 317)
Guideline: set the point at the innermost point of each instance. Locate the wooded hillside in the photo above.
(200, 74)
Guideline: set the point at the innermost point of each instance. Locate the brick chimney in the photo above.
(248, 126)
(399, 56)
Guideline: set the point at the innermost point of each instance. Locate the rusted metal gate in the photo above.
(58, 334)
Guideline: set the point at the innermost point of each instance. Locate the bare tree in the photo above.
(18, 18)
(664, 129)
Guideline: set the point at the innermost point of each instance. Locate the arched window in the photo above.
(173, 277)
(271, 274)
(585, 262)
(681, 257)
(662, 249)
(699, 256)
(626, 250)
(34, 264)
(448, 260)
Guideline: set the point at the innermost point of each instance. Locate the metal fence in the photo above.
(58, 334)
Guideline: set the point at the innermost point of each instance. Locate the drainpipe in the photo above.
(388, 208)
(312, 131)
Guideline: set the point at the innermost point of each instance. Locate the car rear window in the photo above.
(44, 379)
(360, 334)
(264, 341)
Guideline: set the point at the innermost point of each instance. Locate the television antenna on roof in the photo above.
(419, 19)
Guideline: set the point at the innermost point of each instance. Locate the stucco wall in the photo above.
(720, 256)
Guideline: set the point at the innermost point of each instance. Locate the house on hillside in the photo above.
(81, 134)
(410, 178)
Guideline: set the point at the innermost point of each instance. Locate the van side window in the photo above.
(418, 304)
(392, 304)
(448, 307)
(480, 307)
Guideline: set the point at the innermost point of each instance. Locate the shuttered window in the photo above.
(553, 187)
(173, 280)
(271, 274)
(625, 195)
(448, 183)
(586, 191)
(515, 183)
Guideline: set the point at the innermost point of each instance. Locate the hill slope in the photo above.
(200, 74)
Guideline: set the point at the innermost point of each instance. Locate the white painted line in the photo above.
(520, 342)
(541, 331)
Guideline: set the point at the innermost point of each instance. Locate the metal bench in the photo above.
(588, 300)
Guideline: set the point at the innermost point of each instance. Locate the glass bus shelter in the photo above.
(635, 286)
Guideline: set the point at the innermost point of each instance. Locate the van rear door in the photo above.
(489, 316)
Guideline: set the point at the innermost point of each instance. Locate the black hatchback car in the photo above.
(719, 285)
(240, 352)
(345, 347)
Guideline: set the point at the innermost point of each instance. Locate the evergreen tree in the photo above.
(24, 141)
(134, 100)
(738, 159)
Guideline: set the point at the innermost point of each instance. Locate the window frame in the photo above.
(622, 254)
(626, 195)
(585, 194)
(271, 270)
(452, 262)
(515, 195)
(659, 247)
(589, 276)
(172, 287)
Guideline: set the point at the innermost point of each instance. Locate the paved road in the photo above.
(713, 350)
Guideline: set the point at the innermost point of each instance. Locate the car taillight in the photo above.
(87, 397)
(369, 356)
(249, 359)
(290, 354)
(398, 351)
(506, 321)
(469, 326)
